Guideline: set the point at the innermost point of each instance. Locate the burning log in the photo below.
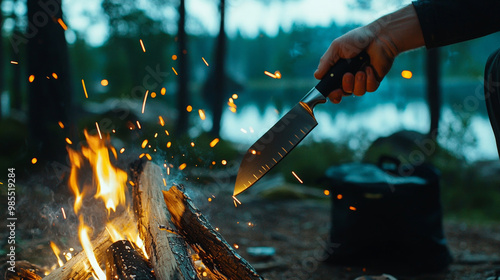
(77, 268)
(214, 251)
(24, 271)
(167, 251)
(124, 262)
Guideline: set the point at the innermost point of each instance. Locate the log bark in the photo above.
(214, 251)
(123, 262)
(77, 268)
(167, 251)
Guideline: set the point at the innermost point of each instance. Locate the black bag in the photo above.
(382, 219)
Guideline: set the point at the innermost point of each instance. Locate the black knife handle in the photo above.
(332, 80)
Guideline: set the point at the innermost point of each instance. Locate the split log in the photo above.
(77, 268)
(125, 263)
(24, 271)
(167, 251)
(219, 257)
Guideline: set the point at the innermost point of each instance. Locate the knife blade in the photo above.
(294, 126)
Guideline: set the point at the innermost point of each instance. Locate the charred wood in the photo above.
(123, 262)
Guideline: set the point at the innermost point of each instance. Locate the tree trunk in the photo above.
(50, 91)
(433, 90)
(219, 90)
(183, 92)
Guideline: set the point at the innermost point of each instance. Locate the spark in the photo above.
(122, 150)
(235, 96)
(84, 88)
(297, 177)
(339, 196)
(153, 94)
(61, 125)
(251, 130)
(14, 62)
(206, 63)
(189, 108)
(144, 143)
(148, 156)
(169, 144)
(142, 45)
(270, 74)
(63, 212)
(202, 114)
(277, 74)
(138, 124)
(235, 200)
(104, 82)
(54, 75)
(163, 91)
(243, 130)
(156, 134)
(174, 57)
(162, 122)
(326, 192)
(166, 132)
(164, 182)
(406, 74)
(31, 78)
(236, 246)
(144, 102)
(63, 25)
(352, 208)
(98, 130)
(209, 199)
(69, 141)
(174, 71)
(224, 162)
(34, 160)
(142, 155)
(192, 144)
(214, 142)
(182, 166)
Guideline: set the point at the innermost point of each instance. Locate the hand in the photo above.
(383, 40)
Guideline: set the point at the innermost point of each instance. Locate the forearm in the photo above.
(399, 30)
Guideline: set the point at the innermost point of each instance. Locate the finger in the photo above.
(336, 96)
(360, 83)
(372, 82)
(328, 59)
(348, 82)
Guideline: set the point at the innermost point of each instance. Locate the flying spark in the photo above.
(144, 102)
(163, 91)
(54, 75)
(14, 62)
(243, 130)
(63, 25)
(63, 212)
(142, 45)
(31, 78)
(406, 74)
(202, 114)
(189, 108)
(206, 63)
(214, 142)
(122, 150)
(352, 208)
(61, 125)
(326, 192)
(297, 177)
(98, 130)
(182, 166)
(174, 57)
(84, 88)
(34, 160)
(144, 143)
(104, 82)
(69, 141)
(138, 124)
(174, 71)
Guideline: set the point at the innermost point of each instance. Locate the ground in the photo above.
(296, 227)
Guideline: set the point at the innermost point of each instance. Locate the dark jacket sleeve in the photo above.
(445, 22)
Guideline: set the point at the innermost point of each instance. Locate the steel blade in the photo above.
(274, 145)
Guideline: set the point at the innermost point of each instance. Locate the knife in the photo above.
(294, 126)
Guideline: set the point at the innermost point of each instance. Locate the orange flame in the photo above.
(56, 251)
(89, 251)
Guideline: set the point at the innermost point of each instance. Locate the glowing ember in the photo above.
(84, 88)
(182, 166)
(189, 108)
(192, 144)
(54, 75)
(56, 251)
(63, 25)
(235, 96)
(406, 74)
(138, 124)
(31, 78)
(61, 125)
(174, 57)
(69, 141)
(122, 150)
(166, 132)
(169, 144)
(144, 143)
(236, 246)
(63, 213)
(142, 45)
(153, 94)
(326, 192)
(34, 160)
(243, 130)
(163, 91)
(162, 122)
(14, 62)
(98, 130)
(206, 63)
(173, 69)
(214, 142)
(297, 177)
(144, 102)
(235, 200)
(202, 114)
(352, 208)
(339, 196)
(104, 82)
(224, 162)
(277, 74)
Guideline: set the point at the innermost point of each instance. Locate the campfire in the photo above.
(131, 227)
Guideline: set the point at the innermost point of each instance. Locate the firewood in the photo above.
(125, 263)
(219, 257)
(167, 251)
(77, 268)
(24, 271)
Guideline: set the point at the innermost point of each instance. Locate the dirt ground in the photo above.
(296, 228)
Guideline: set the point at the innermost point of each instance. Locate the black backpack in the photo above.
(388, 217)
